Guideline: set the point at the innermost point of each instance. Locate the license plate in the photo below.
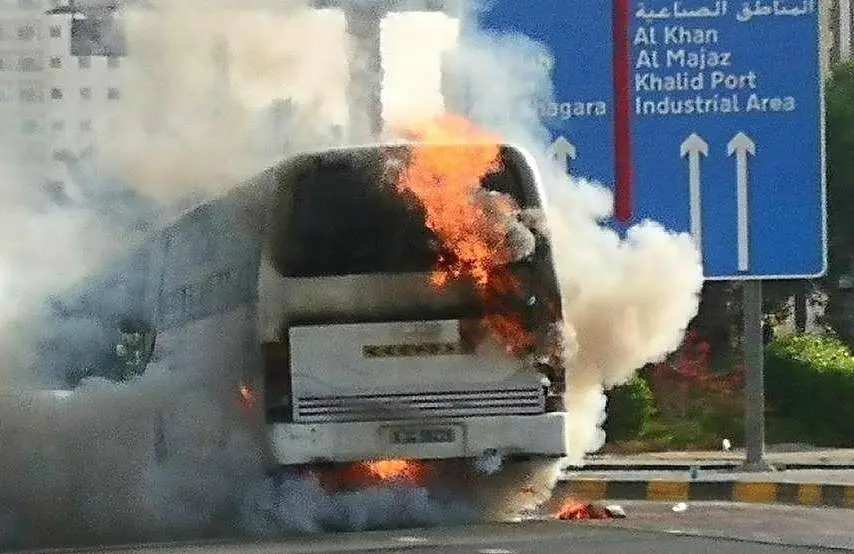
(422, 435)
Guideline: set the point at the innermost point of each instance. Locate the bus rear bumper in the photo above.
(514, 436)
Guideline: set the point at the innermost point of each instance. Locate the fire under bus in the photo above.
(366, 357)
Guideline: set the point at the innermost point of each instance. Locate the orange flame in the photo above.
(471, 225)
(361, 475)
(575, 510)
(394, 470)
(247, 395)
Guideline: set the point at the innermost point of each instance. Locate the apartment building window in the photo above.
(56, 93)
(29, 127)
(28, 64)
(113, 62)
(26, 32)
(56, 62)
(30, 95)
(84, 62)
(55, 31)
(86, 93)
(113, 93)
(86, 125)
(2, 64)
(57, 126)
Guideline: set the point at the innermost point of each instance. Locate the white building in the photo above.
(47, 96)
(22, 83)
(76, 89)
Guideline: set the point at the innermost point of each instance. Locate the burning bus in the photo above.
(387, 303)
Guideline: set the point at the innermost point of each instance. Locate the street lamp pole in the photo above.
(364, 90)
(364, 26)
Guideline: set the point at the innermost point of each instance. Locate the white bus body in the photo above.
(328, 316)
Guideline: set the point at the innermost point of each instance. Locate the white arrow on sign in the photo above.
(741, 145)
(562, 151)
(693, 147)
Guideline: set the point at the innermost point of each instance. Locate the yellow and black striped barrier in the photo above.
(802, 494)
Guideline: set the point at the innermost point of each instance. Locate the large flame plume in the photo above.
(473, 225)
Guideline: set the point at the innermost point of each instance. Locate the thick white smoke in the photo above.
(44, 247)
(627, 303)
(203, 85)
(195, 118)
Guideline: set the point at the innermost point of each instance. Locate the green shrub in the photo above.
(722, 424)
(687, 434)
(810, 380)
(630, 408)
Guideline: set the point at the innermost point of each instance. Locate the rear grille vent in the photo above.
(377, 407)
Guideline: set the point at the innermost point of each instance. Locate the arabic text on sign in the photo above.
(746, 12)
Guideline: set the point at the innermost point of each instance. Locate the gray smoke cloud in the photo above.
(170, 454)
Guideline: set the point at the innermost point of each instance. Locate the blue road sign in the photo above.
(706, 116)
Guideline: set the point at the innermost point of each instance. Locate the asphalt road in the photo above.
(778, 524)
(648, 528)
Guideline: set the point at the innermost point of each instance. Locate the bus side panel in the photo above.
(216, 351)
(207, 323)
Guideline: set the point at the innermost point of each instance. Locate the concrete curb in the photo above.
(706, 466)
(760, 492)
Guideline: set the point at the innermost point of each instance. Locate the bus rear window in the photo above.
(344, 217)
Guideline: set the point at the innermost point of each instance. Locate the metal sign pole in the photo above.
(754, 391)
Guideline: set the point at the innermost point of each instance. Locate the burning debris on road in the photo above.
(575, 510)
